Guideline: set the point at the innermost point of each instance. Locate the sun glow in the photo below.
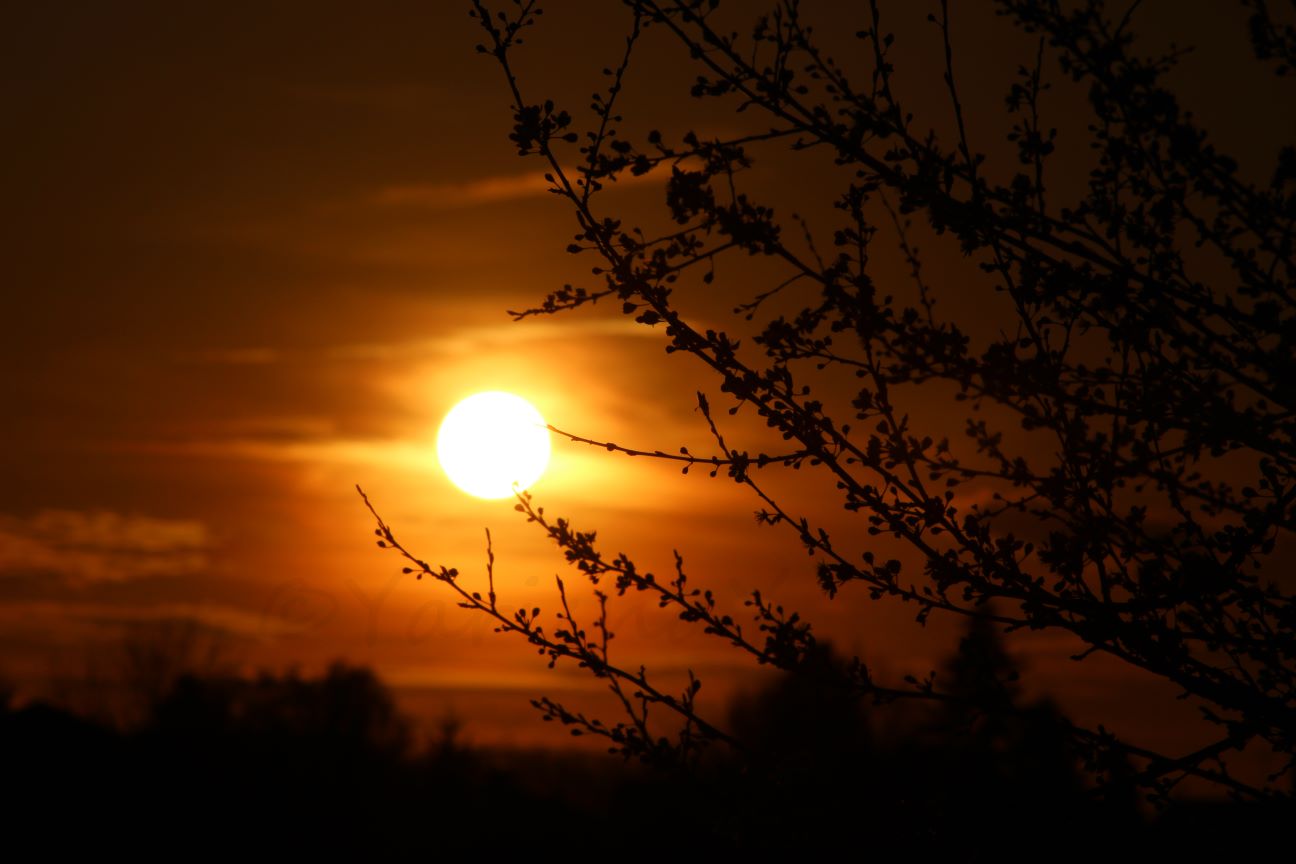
(491, 443)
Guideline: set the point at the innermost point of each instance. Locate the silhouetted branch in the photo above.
(1164, 391)
(570, 642)
(735, 462)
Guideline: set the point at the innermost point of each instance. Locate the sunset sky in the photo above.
(252, 255)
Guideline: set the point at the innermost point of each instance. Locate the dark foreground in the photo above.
(307, 766)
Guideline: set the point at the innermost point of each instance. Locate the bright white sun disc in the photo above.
(492, 442)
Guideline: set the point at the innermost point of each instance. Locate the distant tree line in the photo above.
(327, 765)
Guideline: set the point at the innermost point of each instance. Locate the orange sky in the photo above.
(254, 254)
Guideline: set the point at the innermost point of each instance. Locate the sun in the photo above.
(491, 443)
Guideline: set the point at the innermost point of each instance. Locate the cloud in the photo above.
(478, 677)
(457, 342)
(280, 427)
(488, 190)
(445, 196)
(465, 341)
(54, 618)
(86, 547)
(327, 451)
(237, 356)
(227, 619)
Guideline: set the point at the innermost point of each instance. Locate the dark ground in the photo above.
(326, 766)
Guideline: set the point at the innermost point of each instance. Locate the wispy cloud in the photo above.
(440, 196)
(238, 356)
(488, 190)
(228, 619)
(232, 620)
(472, 340)
(461, 676)
(456, 341)
(327, 451)
(101, 546)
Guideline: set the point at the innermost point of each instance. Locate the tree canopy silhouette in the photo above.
(1127, 468)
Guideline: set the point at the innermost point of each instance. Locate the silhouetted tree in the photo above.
(285, 763)
(153, 657)
(817, 771)
(801, 736)
(998, 754)
(1130, 417)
